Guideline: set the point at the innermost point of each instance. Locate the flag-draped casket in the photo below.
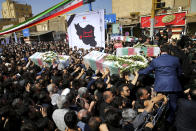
(100, 61)
(49, 58)
(97, 61)
(147, 51)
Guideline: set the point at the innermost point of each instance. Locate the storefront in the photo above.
(191, 24)
(174, 23)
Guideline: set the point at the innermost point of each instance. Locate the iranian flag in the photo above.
(147, 51)
(97, 61)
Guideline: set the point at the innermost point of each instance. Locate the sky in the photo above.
(40, 5)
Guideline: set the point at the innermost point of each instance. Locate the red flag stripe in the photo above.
(131, 51)
(150, 51)
(49, 17)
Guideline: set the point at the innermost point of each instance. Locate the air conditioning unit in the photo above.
(134, 14)
(180, 9)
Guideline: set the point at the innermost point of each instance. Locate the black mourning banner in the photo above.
(86, 34)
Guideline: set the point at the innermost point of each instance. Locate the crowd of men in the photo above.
(80, 99)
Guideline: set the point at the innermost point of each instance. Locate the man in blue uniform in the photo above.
(167, 70)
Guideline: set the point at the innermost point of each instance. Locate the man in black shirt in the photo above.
(125, 94)
(108, 97)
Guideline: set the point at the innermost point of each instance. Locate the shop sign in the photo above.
(176, 19)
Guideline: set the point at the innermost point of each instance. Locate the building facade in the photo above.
(14, 13)
(123, 8)
(7, 22)
(12, 9)
(57, 24)
(128, 12)
(191, 18)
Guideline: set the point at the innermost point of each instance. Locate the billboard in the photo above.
(176, 19)
(26, 32)
(110, 18)
(86, 30)
(115, 28)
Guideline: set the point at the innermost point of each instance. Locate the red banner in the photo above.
(177, 19)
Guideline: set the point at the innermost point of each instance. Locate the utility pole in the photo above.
(152, 20)
(89, 2)
(156, 5)
(90, 6)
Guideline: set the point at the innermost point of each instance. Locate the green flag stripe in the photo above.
(39, 15)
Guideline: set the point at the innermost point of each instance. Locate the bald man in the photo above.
(108, 98)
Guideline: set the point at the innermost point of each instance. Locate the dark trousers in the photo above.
(172, 104)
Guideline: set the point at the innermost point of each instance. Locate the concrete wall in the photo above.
(193, 6)
(42, 26)
(57, 24)
(122, 8)
(183, 3)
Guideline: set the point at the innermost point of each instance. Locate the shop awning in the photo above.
(127, 21)
(40, 33)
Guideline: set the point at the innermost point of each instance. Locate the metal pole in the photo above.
(90, 7)
(38, 38)
(131, 31)
(108, 40)
(152, 19)
(121, 29)
(15, 37)
(185, 29)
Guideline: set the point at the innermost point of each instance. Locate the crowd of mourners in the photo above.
(80, 99)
